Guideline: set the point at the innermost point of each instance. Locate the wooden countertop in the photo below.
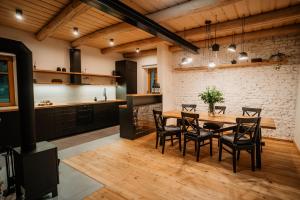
(16, 108)
(142, 95)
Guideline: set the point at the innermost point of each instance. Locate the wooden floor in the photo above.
(136, 170)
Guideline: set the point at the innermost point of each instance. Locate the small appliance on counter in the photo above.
(45, 103)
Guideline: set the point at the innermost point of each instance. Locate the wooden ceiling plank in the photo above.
(75, 8)
(257, 21)
(177, 11)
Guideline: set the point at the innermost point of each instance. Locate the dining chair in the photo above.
(188, 107)
(241, 140)
(163, 131)
(193, 132)
(253, 112)
(213, 126)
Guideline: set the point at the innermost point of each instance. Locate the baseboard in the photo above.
(278, 139)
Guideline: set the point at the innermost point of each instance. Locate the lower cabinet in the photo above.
(52, 123)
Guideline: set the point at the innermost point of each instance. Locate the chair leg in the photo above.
(238, 155)
(172, 140)
(157, 138)
(179, 138)
(184, 145)
(198, 150)
(163, 144)
(210, 146)
(234, 160)
(253, 159)
(220, 151)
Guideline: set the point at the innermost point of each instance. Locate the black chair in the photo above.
(189, 107)
(193, 132)
(213, 125)
(163, 131)
(254, 112)
(241, 140)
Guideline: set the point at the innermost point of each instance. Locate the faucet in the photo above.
(104, 94)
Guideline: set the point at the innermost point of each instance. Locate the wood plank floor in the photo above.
(136, 170)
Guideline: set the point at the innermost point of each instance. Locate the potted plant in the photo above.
(211, 96)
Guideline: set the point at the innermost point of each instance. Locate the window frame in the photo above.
(11, 82)
(149, 70)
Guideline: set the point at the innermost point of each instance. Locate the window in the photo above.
(152, 79)
(7, 93)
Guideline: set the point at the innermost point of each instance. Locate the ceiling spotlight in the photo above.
(232, 48)
(137, 50)
(19, 14)
(243, 56)
(186, 60)
(111, 42)
(211, 64)
(75, 31)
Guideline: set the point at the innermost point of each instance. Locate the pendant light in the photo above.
(216, 46)
(19, 14)
(243, 55)
(232, 46)
(211, 63)
(186, 59)
(75, 31)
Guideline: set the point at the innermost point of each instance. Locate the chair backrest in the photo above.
(159, 120)
(189, 107)
(247, 127)
(252, 112)
(220, 109)
(190, 121)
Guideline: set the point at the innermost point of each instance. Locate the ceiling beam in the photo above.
(286, 15)
(73, 9)
(131, 16)
(293, 29)
(173, 12)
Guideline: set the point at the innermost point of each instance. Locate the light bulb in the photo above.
(19, 14)
(137, 50)
(111, 42)
(75, 31)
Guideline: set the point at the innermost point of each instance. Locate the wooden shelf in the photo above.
(225, 66)
(73, 73)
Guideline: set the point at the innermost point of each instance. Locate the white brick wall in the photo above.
(274, 91)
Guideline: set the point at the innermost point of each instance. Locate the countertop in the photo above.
(142, 95)
(15, 108)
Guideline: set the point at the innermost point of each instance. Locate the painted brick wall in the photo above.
(273, 90)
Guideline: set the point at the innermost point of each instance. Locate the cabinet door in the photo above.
(45, 125)
(65, 121)
(10, 129)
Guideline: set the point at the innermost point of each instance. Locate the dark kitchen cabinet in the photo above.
(127, 83)
(53, 123)
(45, 119)
(9, 129)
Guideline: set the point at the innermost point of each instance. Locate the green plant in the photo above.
(211, 96)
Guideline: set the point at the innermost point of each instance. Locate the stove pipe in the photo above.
(25, 90)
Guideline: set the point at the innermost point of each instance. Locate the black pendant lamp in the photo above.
(243, 55)
(232, 46)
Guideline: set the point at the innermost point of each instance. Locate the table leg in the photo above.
(258, 151)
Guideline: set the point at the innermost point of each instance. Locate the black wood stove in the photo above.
(36, 164)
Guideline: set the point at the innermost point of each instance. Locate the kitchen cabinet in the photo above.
(57, 122)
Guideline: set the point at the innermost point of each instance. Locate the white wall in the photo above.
(52, 53)
(275, 91)
(297, 129)
(142, 73)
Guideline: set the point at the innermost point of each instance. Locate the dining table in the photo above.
(266, 123)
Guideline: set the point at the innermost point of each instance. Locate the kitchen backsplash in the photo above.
(72, 93)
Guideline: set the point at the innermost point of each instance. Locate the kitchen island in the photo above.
(136, 118)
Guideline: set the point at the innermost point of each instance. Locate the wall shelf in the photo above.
(225, 66)
(73, 73)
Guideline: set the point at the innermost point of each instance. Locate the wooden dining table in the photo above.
(266, 123)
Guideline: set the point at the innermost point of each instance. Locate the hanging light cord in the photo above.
(243, 32)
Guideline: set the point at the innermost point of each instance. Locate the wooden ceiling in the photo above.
(38, 15)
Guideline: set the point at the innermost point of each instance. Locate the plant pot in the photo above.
(211, 109)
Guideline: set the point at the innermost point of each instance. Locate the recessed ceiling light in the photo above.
(111, 42)
(75, 31)
(19, 14)
(137, 50)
